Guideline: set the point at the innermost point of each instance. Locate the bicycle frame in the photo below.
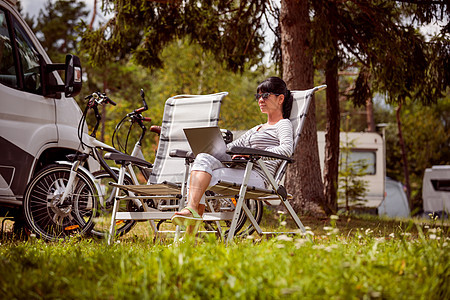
(93, 146)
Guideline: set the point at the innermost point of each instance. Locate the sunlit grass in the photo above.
(360, 258)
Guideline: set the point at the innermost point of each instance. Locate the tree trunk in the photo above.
(303, 177)
(404, 155)
(370, 118)
(94, 10)
(331, 164)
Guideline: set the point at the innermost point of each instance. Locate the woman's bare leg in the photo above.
(201, 209)
(198, 183)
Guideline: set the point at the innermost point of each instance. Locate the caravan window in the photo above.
(360, 157)
(441, 185)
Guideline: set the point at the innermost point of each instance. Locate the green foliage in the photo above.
(351, 187)
(56, 27)
(188, 70)
(426, 130)
(228, 29)
(364, 265)
(383, 37)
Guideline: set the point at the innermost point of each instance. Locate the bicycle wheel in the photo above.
(244, 226)
(46, 216)
(103, 218)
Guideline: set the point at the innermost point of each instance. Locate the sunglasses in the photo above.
(264, 96)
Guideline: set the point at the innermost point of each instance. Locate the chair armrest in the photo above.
(181, 153)
(257, 152)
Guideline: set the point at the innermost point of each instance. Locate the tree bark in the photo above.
(404, 154)
(94, 10)
(370, 118)
(331, 164)
(303, 177)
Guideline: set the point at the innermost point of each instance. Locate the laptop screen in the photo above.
(207, 140)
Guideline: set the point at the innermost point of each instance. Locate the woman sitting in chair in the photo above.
(276, 136)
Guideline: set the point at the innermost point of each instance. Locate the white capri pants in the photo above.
(208, 163)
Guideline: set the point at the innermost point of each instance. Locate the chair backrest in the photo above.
(183, 111)
(299, 111)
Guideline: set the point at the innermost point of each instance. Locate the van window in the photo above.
(8, 74)
(29, 59)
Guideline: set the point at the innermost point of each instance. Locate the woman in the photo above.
(276, 135)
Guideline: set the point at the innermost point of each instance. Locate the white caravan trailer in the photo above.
(370, 147)
(436, 190)
(38, 116)
(386, 195)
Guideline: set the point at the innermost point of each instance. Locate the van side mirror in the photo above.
(73, 81)
(73, 77)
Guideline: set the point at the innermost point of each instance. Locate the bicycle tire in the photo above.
(51, 220)
(243, 226)
(103, 218)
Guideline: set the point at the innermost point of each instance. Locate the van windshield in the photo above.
(30, 61)
(8, 75)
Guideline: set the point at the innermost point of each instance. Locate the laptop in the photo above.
(207, 140)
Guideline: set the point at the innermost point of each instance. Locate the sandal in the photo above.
(186, 220)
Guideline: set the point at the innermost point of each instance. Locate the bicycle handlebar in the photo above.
(97, 98)
(140, 110)
(135, 117)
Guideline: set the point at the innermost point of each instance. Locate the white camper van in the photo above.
(436, 190)
(38, 116)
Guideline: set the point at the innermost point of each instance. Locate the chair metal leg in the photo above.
(219, 227)
(283, 199)
(183, 198)
(240, 201)
(112, 228)
(293, 215)
(251, 218)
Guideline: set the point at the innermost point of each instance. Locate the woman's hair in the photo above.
(276, 85)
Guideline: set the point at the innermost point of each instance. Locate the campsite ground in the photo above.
(349, 257)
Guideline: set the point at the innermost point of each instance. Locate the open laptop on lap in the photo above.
(207, 140)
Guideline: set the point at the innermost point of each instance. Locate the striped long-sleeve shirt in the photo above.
(277, 138)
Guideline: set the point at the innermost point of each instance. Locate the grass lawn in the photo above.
(352, 257)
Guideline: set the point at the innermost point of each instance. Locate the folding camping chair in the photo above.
(164, 188)
(242, 191)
